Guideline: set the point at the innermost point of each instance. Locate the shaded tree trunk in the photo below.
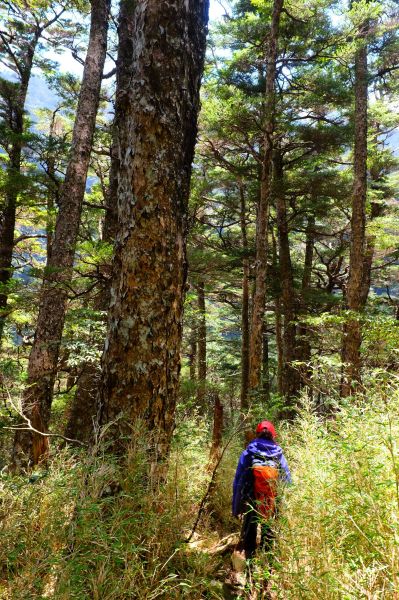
(201, 343)
(290, 376)
(352, 337)
(262, 218)
(217, 431)
(279, 345)
(82, 413)
(192, 357)
(43, 358)
(304, 348)
(278, 322)
(265, 366)
(244, 305)
(141, 361)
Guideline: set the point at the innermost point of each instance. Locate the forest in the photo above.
(199, 205)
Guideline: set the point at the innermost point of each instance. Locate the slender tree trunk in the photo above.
(352, 338)
(262, 219)
(43, 358)
(52, 195)
(201, 344)
(8, 212)
(290, 376)
(192, 358)
(278, 322)
(82, 413)
(279, 345)
(265, 366)
(141, 361)
(244, 306)
(304, 348)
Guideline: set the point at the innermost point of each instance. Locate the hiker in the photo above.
(260, 467)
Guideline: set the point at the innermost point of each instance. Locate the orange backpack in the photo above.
(265, 478)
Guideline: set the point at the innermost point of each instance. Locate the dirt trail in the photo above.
(235, 580)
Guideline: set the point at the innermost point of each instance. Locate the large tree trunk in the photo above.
(43, 358)
(262, 219)
(141, 361)
(352, 337)
(8, 211)
(82, 413)
(290, 376)
(244, 306)
(201, 345)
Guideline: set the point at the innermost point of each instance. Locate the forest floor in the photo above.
(234, 577)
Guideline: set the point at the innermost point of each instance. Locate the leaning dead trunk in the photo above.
(141, 361)
(262, 219)
(43, 358)
(352, 338)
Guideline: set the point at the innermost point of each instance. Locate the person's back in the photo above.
(255, 486)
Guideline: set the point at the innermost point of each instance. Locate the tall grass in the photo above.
(338, 537)
(89, 529)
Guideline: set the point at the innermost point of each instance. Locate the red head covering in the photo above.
(268, 426)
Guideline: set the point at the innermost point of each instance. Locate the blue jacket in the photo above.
(242, 486)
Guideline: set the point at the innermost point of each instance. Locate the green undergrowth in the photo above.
(87, 528)
(338, 535)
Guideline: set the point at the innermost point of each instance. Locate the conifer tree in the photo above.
(21, 29)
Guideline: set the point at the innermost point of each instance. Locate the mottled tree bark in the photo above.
(290, 375)
(262, 218)
(83, 411)
(244, 305)
(201, 343)
(43, 358)
(141, 361)
(352, 337)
